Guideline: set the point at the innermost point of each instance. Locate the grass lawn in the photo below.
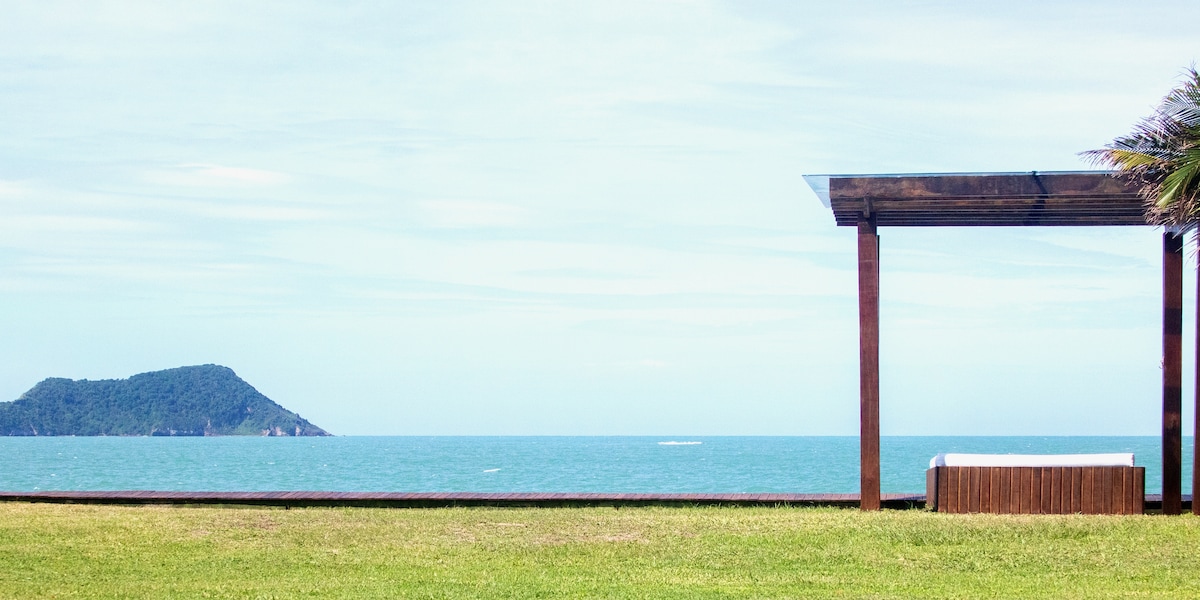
(68, 551)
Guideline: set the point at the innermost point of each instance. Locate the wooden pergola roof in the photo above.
(1069, 198)
(998, 199)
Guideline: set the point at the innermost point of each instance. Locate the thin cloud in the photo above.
(467, 214)
(26, 224)
(11, 188)
(208, 175)
(251, 212)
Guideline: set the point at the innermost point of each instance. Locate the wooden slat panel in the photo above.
(996, 491)
(1035, 489)
(964, 490)
(1030, 490)
(1121, 499)
(931, 489)
(1108, 489)
(1102, 490)
(1077, 490)
(943, 489)
(1134, 504)
(1013, 486)
(973, 474)
(1085, 493)
(1130, 504)
(1005, 506)
(985, 489)
(1021, 491)
(1057, 495)
(1116, 490)
(1014, 491)
(951, 489)
(1042, 478)
(950, 499)
(1026, 478)
(1093, 475)
(1090, 500)
(1017, 492)
(1085, 488)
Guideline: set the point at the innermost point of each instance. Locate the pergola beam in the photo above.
(988, 199)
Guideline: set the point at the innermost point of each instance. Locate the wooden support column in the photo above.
(868, 363)
(1196, 413)
(1172, 370)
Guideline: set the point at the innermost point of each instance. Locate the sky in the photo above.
(577, 218)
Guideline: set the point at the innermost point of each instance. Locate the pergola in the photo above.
(997, 200)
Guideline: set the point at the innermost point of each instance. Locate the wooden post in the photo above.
(868, 363)
(1196, 413)
(1172, 369)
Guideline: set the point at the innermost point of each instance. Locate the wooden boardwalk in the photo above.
(443, 499)
(448, 499)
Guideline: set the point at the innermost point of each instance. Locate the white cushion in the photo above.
(1119, 459)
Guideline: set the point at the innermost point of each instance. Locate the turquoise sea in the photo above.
(515, 464)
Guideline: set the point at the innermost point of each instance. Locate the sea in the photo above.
(649, 464)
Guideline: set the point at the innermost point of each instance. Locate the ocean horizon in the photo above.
(617, 464)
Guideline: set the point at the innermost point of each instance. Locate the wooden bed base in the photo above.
(1036, 490)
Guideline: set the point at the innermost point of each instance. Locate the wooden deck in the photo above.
(442, 499)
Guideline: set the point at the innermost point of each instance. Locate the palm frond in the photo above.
(1182, 105)
(1180, 185)
(1162, 156)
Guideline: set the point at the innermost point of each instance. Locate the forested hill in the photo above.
(202, 400)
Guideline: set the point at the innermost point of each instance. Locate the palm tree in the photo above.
(1162, 156)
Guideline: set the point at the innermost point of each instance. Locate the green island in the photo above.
(187, 401)
(55, 551)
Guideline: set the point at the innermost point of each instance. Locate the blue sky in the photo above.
(575, 218)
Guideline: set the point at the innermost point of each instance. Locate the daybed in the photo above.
(1035, 484)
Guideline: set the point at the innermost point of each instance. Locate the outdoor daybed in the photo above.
(1035, 484)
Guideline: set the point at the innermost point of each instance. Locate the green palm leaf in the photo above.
(1162, 156)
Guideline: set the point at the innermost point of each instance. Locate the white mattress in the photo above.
(1119, 459)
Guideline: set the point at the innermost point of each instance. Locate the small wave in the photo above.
(490, 470)
(673, 443)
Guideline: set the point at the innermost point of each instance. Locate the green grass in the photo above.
(68, 551)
